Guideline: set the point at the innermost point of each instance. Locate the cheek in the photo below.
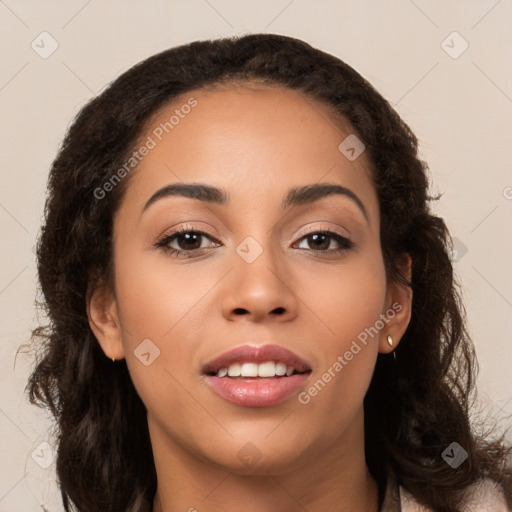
(347, 299)
(351, 325)
(156, 296)
(160, 309)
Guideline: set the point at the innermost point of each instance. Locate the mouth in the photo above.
(252, 376)
(252, 371)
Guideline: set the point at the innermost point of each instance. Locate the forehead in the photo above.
(255, 141)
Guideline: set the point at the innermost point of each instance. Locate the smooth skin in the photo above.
(256, 142)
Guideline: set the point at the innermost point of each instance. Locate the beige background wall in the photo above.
(458, 102)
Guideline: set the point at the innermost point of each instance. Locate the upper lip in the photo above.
(256, 354)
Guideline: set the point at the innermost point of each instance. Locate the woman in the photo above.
(250, 304)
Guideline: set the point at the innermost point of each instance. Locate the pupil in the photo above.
(189, 239)
(316, 238)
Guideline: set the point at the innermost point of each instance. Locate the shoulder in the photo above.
(483, 496)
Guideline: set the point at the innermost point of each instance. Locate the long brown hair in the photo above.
(416, 406)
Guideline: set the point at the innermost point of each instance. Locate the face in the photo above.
(245, 271)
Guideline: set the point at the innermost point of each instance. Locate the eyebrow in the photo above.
(296, 196)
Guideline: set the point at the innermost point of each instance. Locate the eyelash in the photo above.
(163, 243)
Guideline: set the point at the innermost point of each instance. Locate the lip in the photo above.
(257, 391)
(256, 354)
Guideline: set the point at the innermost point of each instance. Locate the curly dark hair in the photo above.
(415, 406)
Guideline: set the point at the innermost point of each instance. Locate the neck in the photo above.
(336, 479)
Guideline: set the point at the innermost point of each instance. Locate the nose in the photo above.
(259, 290)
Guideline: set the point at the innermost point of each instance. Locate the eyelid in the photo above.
(189, 228)
(185, 229)
(316, 229)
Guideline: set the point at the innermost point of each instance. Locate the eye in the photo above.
(189, 242)
(322, 240)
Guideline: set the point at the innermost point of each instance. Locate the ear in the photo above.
(104, 320)
(398, 307)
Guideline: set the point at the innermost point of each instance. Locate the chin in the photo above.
(250, 459)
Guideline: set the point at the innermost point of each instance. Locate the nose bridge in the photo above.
(257, 262)
(258, 283)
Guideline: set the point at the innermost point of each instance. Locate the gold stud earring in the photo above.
(113, 359)
(390, 341)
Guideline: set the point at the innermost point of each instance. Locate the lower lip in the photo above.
(257, 392)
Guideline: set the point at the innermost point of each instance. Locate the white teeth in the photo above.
(222, 372)
(249, 370)
(267, 369)
(280, 369)
(234, 370)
